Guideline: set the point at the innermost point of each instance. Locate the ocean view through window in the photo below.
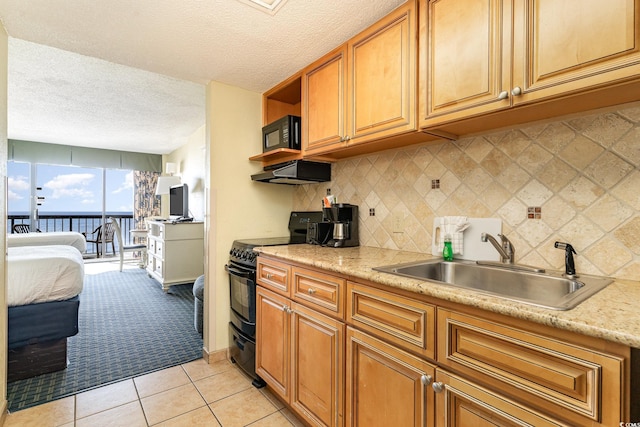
(70, 198)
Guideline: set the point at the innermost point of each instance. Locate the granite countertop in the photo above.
(612, 314)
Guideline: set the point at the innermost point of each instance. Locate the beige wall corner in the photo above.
(3, 224)
(236, 207)
(190, 163)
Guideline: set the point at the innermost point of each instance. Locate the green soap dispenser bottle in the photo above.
(447, 251)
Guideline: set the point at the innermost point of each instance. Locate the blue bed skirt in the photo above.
(41, 322)
(38, 337)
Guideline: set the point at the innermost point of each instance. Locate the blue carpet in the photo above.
(127, 327)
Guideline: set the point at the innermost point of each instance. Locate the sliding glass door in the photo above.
(68, 198)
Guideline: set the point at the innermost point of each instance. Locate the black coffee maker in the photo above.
(343, 228)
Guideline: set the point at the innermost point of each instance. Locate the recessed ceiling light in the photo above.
(269, 6)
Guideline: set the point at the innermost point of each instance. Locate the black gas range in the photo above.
(242, 289)
(242, 252)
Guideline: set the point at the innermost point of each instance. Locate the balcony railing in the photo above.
(80, 222)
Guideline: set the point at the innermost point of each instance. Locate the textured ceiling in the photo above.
(130, 75)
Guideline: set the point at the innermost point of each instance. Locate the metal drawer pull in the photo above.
(311, 291)
(437, 387)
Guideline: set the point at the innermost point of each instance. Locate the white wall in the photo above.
(237, 207)
(190, 164)
(3, 214)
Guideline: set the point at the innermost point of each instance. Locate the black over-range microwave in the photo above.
(283, 133)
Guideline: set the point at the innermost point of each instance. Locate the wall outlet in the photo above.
(398, 223)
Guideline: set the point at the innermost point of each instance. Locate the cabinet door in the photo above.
(386, 386)
(273, 325)
(572, 45)
(460, 403)
(323, 97)
(382, 77)
(468, 56)
(317, 368)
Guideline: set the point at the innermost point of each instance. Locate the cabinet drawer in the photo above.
(159, 249)
(158, 267)
(564, 379)
(273, 275)
(403, 321)
(322, 292)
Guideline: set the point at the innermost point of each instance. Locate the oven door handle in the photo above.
(239, 273)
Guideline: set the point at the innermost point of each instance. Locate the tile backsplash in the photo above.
(581, 176)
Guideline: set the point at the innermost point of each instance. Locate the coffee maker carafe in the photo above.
(344, 220)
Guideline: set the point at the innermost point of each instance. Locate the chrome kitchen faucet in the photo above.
(506, 250)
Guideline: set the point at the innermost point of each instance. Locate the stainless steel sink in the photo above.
(548, 289)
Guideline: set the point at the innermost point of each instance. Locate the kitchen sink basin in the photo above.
(544, 289)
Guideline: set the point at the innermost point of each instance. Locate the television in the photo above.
(179, 201)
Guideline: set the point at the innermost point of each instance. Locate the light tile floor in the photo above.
(193, 394)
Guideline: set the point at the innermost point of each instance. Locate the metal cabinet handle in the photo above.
(437, 387)
(287, 309)
(516, 91)
(269, 276)
(503, 95)
(311, 291)
(426, 379)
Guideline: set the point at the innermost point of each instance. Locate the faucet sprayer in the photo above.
(569, 265)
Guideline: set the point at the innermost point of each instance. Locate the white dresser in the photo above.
(175, 252)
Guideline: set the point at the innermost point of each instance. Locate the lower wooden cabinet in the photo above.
(300, 355)
(273, 341)
(386, 386)
(410, 361)
(567, 380)
(461, 403)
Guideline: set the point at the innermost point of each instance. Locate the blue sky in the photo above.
(70, 189)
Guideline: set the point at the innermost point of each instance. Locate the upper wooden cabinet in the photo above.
(483, 56)
(467, 58)
(364, 91)
(382, 66)
(573, 45)
(324, 107)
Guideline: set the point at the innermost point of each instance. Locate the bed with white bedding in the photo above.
(43, 273)
(43, 287)
(71, 238)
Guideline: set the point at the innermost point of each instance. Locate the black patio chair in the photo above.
(95, 237)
